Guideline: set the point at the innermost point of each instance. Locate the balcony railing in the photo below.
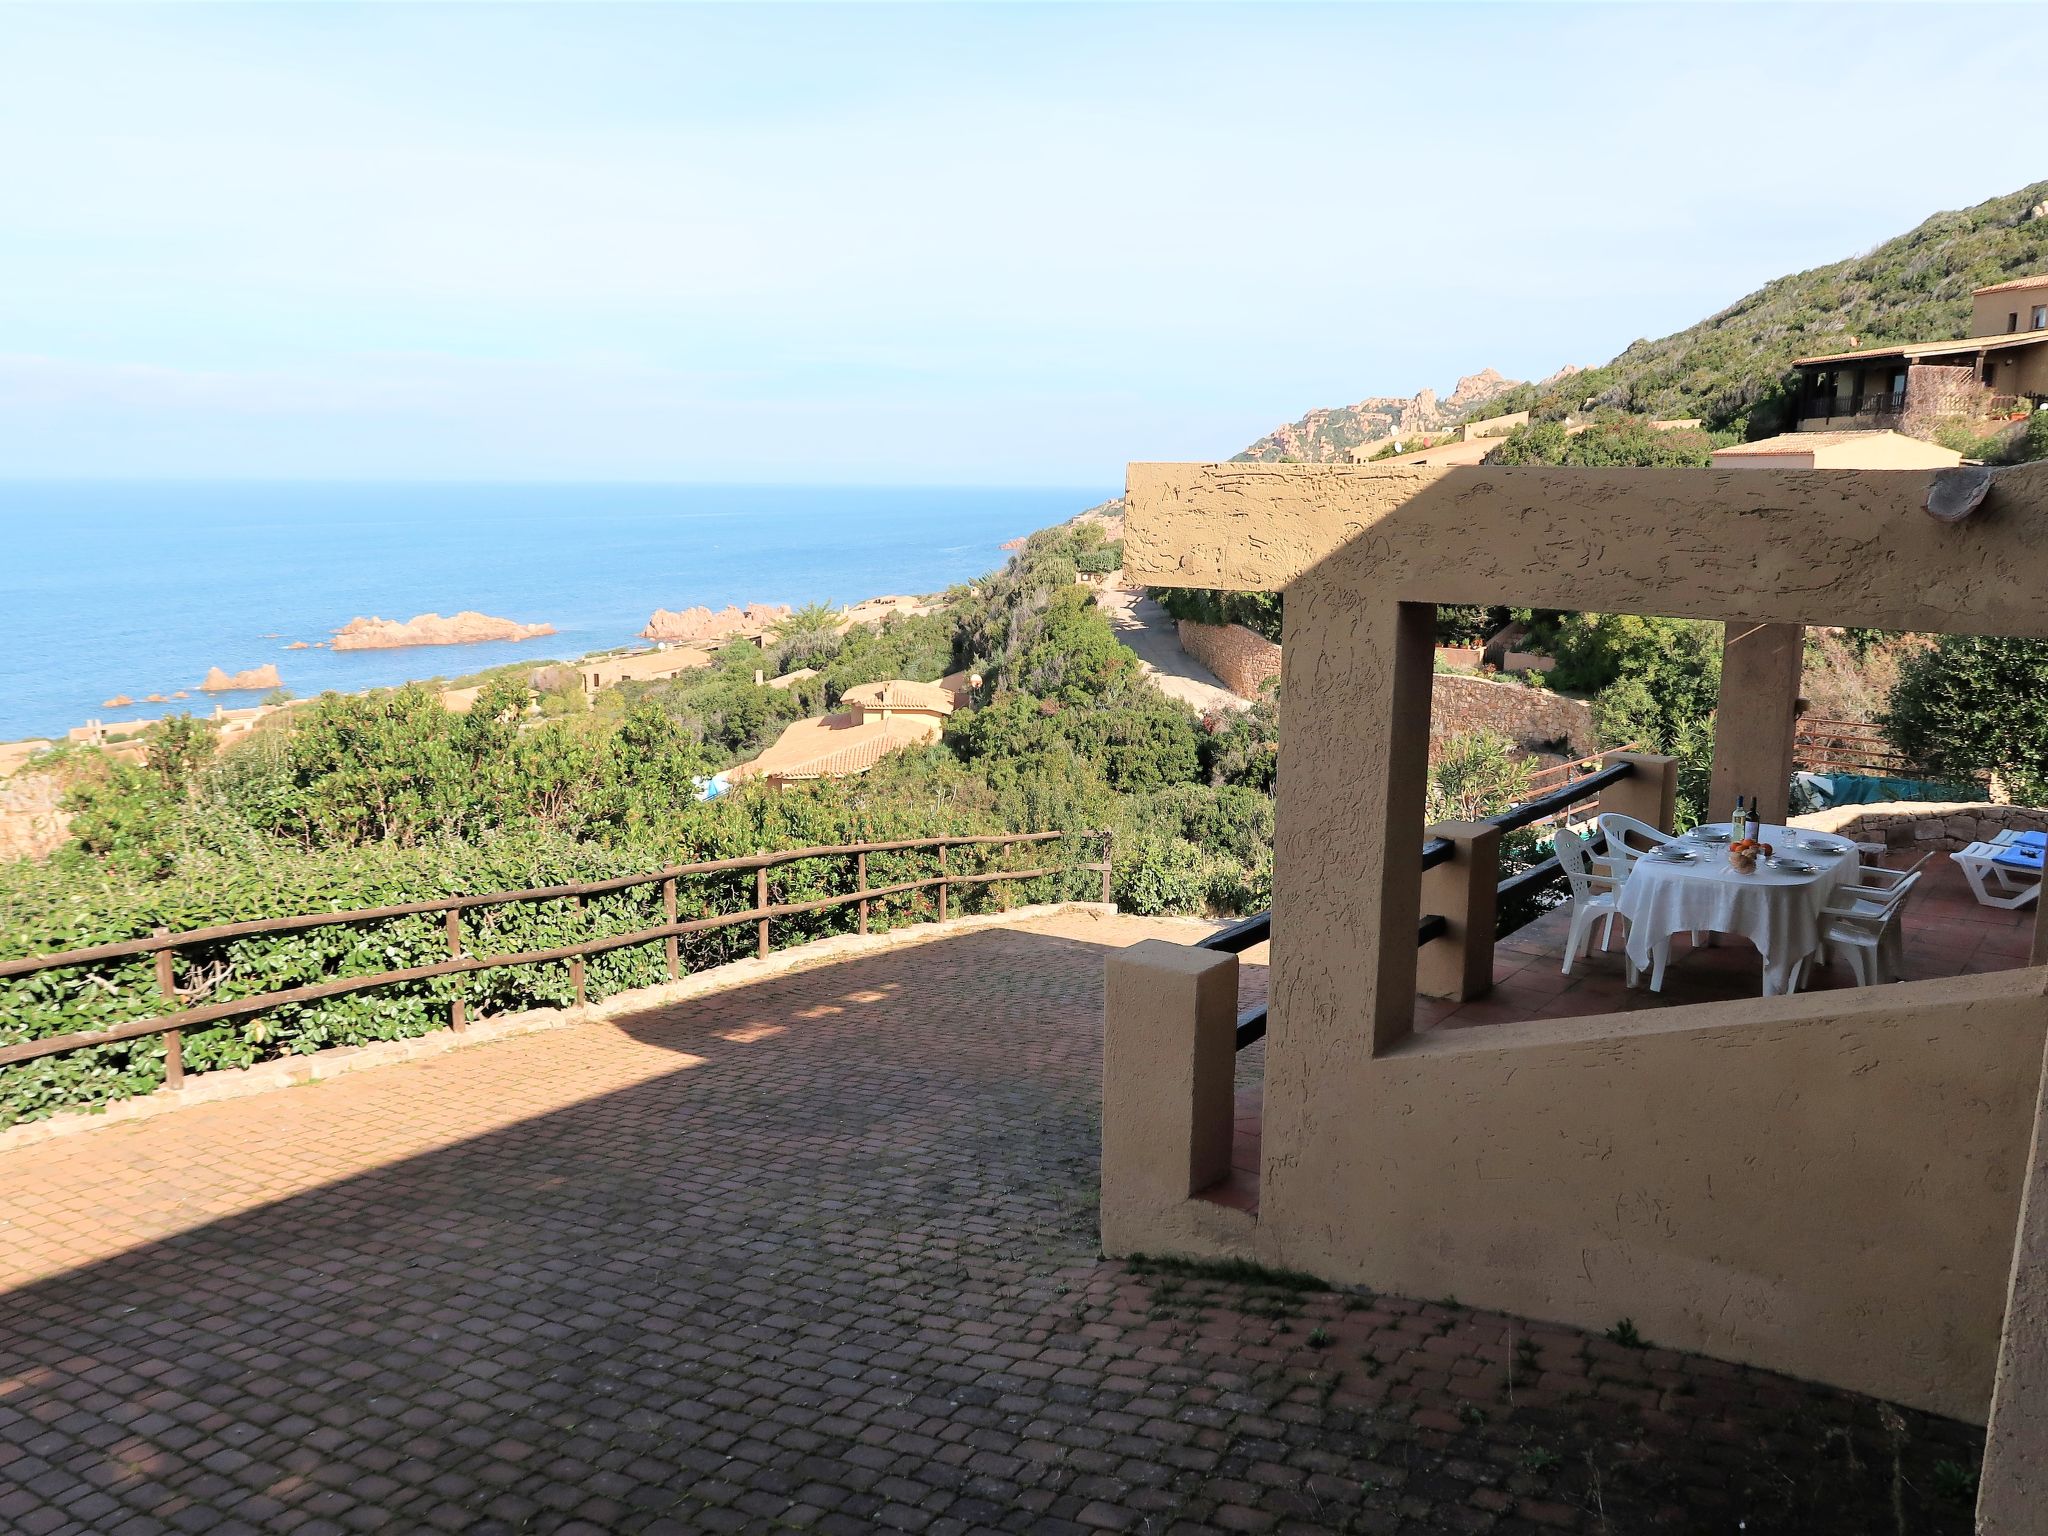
(1848, 407)
(1258, 928)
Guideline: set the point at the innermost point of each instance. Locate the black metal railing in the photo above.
(1258, 928)
(1844, 407)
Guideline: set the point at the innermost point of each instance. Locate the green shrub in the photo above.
(1163, 875)
(1972, 705)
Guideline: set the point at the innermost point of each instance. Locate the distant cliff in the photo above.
(1327, 436)
(466, 628)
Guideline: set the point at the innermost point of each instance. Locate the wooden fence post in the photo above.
(668, 905)
(860, 873)
(945, 884)
(174, 1039)
(761, 905)
(1108, 844)
(576, 961)
(458, 1013)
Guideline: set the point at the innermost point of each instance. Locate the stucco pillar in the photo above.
(1758, 713)
(1169, 1057)
(1462, 891)
(1650, 793)
(2040, 954)
(2012, 1490)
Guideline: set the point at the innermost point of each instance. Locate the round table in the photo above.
(1776, 910)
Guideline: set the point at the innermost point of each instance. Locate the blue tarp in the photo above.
(1831, 789)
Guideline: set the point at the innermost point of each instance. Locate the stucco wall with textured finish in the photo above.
(1359, 549)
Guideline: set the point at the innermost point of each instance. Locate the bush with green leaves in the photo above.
(1627, 442)
(1474, 774)
(80, 903)
(1970, 706)
(1256, 611)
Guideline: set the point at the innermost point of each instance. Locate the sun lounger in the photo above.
(2005, 874)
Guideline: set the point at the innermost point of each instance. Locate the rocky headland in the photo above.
(219, 681)
(702, 627)
(466, 628)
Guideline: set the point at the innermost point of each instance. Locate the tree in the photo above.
(1972, 705)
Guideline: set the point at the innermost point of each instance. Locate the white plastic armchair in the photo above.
(1620, 830)
(1593, 883)
(1875, 878)
(1865, 924)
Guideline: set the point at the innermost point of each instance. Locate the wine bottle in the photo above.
(1738, 829)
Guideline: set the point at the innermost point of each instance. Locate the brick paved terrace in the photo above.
(816, 1253)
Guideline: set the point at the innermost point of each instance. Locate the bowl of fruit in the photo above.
(1745, 851)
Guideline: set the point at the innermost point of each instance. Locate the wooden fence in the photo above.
(164, 945)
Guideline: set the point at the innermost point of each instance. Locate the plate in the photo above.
(1669, 855)
(1791, 866)
(1708, 835)
(1815, 845)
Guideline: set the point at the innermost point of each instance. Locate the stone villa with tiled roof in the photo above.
(875, 719)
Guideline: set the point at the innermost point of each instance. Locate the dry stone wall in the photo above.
(1531, 716)
(1242, 659)
(1925, 826)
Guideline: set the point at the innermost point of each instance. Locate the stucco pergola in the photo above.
(1717, 1171)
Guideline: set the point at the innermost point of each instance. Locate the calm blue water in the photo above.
(108, 588)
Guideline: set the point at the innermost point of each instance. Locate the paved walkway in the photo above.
(818, 1253)
(1149, 630)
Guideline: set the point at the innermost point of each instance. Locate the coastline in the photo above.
(736, 621)
(140, 589)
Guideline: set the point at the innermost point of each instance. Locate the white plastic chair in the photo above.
(1867, 929)
(1877, 877)
(1592, 883)
(1621, 853)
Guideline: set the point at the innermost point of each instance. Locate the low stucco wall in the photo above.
(1242, 659)
(1927, 826)
(1529, 715)
(1822, 1186)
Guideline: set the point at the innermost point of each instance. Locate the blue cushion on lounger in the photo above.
(2030, 839)
(2018, 857)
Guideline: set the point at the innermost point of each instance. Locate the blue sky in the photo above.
(910, 244)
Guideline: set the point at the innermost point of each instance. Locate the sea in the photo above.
(137, 588)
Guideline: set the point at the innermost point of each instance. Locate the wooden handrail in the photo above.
(31, 964)
(177, 1020)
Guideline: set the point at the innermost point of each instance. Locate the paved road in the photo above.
(815, 1253)
(1149, 630)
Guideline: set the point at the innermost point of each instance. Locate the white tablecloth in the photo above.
(1777, 911)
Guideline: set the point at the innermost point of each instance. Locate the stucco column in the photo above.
(1169, 1056)
(2012, 1491)
(1758, 713)
(1462, 890)
(1650, 793)
(2040, 954)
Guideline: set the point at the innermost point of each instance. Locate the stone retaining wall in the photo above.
(1242, 659)
(33, 823)
(1925, 826)
(1529, 715)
